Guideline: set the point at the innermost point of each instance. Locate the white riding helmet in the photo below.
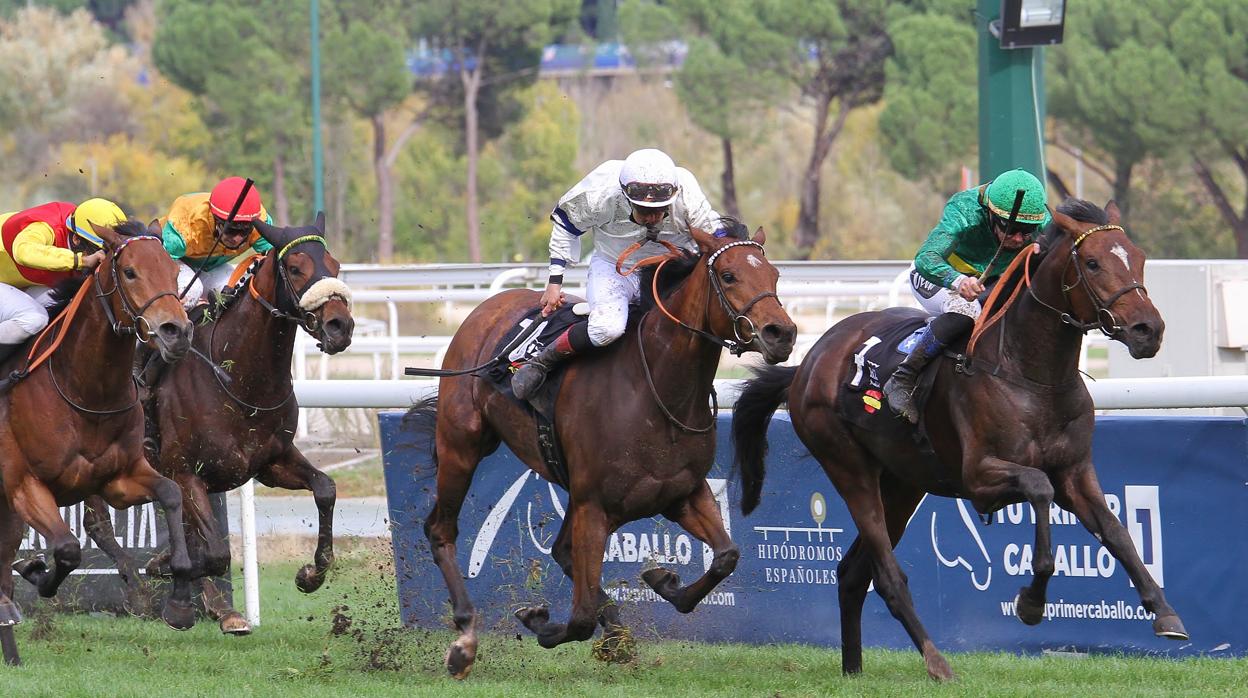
(648, 178)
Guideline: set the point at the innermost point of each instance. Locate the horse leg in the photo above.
(208, 552)
(143, 484)
(292, 471)
(994, 480)
(616, 643)
(100, 527)
(219, 609)
(35, 503)
(859, 486)
(854, 571)
(589, 541)
(1080, 492)
(11, 529)
(455, 469)
(699, 515)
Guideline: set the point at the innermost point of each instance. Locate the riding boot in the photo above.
(529, 377)
(148, 368)
(899, 390)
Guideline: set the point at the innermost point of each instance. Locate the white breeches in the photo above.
(937, 300)
(23, 312)
(609, 294)
(212, 280)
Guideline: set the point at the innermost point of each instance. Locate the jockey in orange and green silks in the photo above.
(42, 246)
(196, 234)
(974, 242)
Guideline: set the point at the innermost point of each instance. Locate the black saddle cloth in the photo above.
(861, 401)
(510, 354)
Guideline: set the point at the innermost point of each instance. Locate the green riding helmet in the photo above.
(1002, 191)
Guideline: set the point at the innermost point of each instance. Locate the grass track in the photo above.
(295, 653)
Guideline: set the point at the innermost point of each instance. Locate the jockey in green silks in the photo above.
(973, 242)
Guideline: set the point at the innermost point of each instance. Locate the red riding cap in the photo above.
(225, 195)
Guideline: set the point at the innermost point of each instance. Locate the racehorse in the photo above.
(1024, 374)
(232, 417)
(74, 383)
(644, 451)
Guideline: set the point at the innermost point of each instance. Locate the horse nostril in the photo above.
(170, 331)
(333, 327)
(780, 334)
(1142, 329)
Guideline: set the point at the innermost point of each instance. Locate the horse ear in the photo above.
(110, 237)
(706, 241)
(273, 234)
(154, 228)
(1111, 210)
(760, 235)
(1065, 222)
(319, 223)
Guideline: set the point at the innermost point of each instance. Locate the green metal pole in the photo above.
(318, 176)
(1011, 102)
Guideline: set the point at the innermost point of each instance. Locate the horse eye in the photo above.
(295, 270)
(1093, 265)
(129, 272)
(728, 277)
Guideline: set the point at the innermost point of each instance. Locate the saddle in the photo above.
(528, 337)
(861, 400)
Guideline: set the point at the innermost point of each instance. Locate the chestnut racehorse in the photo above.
(71, 426)
(638, 437)
(1014, 424)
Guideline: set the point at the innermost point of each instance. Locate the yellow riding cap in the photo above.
(95, 212)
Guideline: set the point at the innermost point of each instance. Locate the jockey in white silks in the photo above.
(645, 196)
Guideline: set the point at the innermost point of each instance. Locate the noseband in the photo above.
(139, 326)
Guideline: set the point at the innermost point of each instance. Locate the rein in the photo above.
(1105, 321)
(65, 318)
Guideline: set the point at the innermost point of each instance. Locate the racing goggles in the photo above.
(644, 194)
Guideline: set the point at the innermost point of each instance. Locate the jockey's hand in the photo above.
(969, 288)
(552, 298)
(92, 260)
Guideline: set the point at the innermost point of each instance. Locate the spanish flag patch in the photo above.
(871, 401)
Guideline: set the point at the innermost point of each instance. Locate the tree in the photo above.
(1210, 39)
(930, 95)
(1120, 88)
(494, 48)
(253, 97)
(366, 68)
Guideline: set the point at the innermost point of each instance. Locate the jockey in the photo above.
(196, 234)
(43, 246)
(645, 196)
(973, 242)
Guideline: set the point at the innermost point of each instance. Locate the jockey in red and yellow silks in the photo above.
(195, 233)
(42, 246)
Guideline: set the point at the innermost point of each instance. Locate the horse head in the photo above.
(748, 311)
(308, 287)
(1103, 280)
(138, 282)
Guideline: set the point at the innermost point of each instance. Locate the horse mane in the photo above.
(1081, 210)
(130, 228)
(675, 272)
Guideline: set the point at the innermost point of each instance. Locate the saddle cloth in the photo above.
(861, 401)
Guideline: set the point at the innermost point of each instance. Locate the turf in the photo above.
(342, 641)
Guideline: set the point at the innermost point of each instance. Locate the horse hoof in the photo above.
(233, 623)
(308, 580)
(138, 602)
(534, 617)
(459, 659)
(31, 569)
(1170, 627)
(10, 614)
(938, 669)
(1029, 611)
(178, 615)
(660, 580)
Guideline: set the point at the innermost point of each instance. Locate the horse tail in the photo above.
(422, 419)
(751, 414)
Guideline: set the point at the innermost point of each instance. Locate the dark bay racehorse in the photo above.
(72, 428)
(640, 452)
(1023, 435)
(233, 417)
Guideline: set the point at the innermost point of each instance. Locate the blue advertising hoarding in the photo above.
(1180, 485)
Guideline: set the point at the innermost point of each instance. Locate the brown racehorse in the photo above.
(82, 392)
(232, 417)
(1090, 277)
(639, 453)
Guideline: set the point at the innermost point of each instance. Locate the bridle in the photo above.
(1105, 321)
(737, 346)
(139, 326)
